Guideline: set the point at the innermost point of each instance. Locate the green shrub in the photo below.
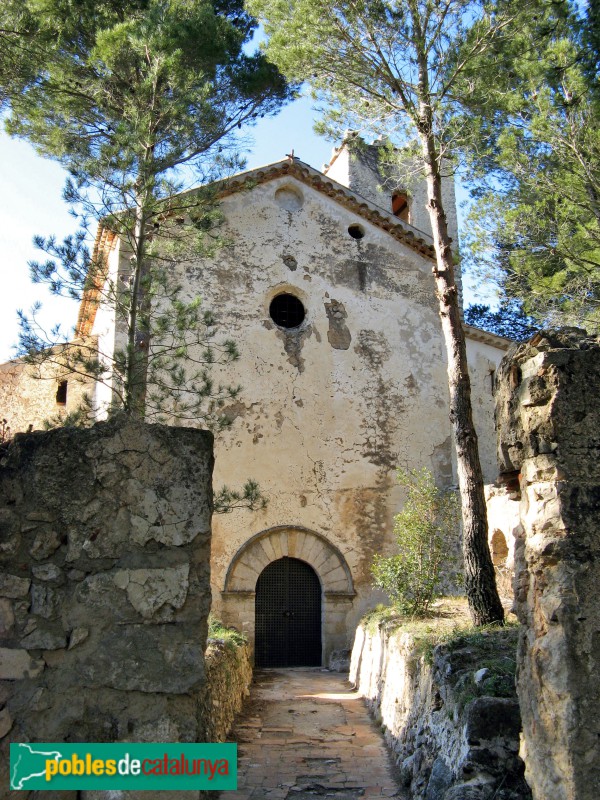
(425, 531)
(218, 630)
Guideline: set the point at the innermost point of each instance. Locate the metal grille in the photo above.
(287, 311)
(288, 615)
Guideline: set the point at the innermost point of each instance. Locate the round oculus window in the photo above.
(287, 311)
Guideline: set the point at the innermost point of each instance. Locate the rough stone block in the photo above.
(13, 586)
(124, 659)
(491, 717)
(7, 617)
(47, 572)
(440, 780)
(42, 639)
(6, 722)
(148, 590)
(46, 542)
(18, 664)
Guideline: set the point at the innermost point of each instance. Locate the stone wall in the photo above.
(104, 584)
(452, 738)
(504, 527)
(228, 679)
(548, 418)
(30, 396)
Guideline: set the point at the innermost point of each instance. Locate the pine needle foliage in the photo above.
(137, 100)
(534, 228)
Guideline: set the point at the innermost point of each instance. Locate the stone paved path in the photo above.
(304, 734)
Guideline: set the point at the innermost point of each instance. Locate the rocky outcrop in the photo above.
(104, 584)
(449, 712)
(548, 418)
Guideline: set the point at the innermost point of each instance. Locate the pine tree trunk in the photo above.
(138, 337)
(480, 579)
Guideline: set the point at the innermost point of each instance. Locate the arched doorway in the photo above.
(288, 615)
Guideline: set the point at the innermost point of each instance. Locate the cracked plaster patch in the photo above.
(338, 335)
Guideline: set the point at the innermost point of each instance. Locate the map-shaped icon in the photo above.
(29, 763)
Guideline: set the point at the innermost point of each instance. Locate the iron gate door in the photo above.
(288, 615)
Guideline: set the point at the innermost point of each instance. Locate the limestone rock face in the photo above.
(548, 419)
(104, 593)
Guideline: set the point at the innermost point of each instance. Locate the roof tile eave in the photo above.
(479, 335)
(411, 237)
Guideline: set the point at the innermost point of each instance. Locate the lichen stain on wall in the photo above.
(365, 511)
(293, 342)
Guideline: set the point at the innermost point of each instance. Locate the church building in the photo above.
(325, 284)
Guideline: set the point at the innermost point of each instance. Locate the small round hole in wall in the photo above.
(287, 311)
(356, 231)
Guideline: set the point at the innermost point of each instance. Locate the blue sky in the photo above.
(31, 203)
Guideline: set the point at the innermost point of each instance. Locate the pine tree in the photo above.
(391, 68)
(509, 320)
(136, 99)
(535, 226)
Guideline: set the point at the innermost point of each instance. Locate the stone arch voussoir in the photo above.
(295, 542)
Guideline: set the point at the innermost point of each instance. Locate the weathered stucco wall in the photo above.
(104, 584)
(549, 435)
(327, 410)
(28, 394)
(484, 354)
(452, 738)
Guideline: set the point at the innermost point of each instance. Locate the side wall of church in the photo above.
(484, 360)
(30, 396)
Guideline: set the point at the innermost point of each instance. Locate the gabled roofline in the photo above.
(402, 231)
(411, 237)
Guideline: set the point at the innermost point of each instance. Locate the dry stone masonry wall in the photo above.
(228, 679)
(548, 418)
(452, 736)
(104, 584)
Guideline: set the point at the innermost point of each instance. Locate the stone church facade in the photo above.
(326, 287)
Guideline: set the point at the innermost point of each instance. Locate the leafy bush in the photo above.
(424, 530)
